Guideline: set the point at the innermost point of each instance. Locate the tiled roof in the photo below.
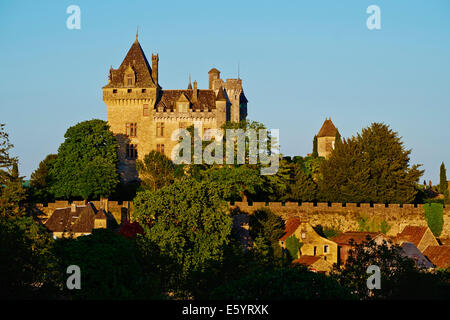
(358, 237)
(138, 62)
(438, 255)
(328, 129)
(289, 228)
(307, 260)
(80, 221)
(214, 70)
(411, 234)
(206, 99)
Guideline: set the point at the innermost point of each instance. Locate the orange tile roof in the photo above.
(411, 234)
(307, 260)
(438, 255)
(289, 228)
(358, 237)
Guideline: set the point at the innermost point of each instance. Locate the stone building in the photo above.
(312, 244)
(326, 138)
(76, 221)
(143, 115)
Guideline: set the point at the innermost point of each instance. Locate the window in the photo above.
(160, 148)
(160, 129)
(145, 112)
(183, 106)
(315, 250)
(303, 235)
(129, 91)
(131, 151)
(325, 249)
(182, 125)
(130, 80)
(144, 90)
(131, 129)
(114, 90)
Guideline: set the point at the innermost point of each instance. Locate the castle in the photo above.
(143, 116)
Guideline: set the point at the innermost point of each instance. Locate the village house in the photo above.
(312, 245)
(347, 240)
(422, 237)
(75, 221)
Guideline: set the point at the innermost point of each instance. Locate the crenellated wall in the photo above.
(346, 217)
(336, 215)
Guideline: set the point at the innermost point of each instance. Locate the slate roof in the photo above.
(138, 61)
(80, 221)
(358, 237)
(221, 95)
(206, 99)
(328, 129)
(411, 251)
(411, 234)
(438, 255)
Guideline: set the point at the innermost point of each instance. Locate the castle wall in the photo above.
(325, 146)
(337, 216)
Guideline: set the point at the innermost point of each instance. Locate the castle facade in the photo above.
(143, 115)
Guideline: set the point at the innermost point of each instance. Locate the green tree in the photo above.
(304, 188)
(282, 284)
(434, 214)
(28, 269)
(188, 222)
(41, 180)
(443, 185)
(315, 153)
(87, 161)
(264, 224)
(371, 167)
(155, 171)
(400, 277)
(11, 190)
(109, 267)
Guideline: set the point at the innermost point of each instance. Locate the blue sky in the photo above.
(300, 61)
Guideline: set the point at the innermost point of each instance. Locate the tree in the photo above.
(434, 214)
(109, 267)
(292, 283)
(264, 224)
(315, 153)
(11, 190)
(28, 269)
(188, 222)
(400, 277)
(87, 161)
(443, 185)
(304, 188)
(155, 171)
(41, 180)
(371, 167)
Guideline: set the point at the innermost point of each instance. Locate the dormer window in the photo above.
(129, 77)
(183, 106)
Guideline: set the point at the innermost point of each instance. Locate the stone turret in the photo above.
(155, 60)
(326, 138)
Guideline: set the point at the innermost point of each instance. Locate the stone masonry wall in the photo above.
(345, 218)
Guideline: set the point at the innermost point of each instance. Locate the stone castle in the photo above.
(143, 116)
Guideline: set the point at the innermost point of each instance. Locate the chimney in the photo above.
(155, 59)
(194, 92)
(73, 208)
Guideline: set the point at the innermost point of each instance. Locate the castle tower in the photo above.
(130, 96)
(326, 138)
(143, 116)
